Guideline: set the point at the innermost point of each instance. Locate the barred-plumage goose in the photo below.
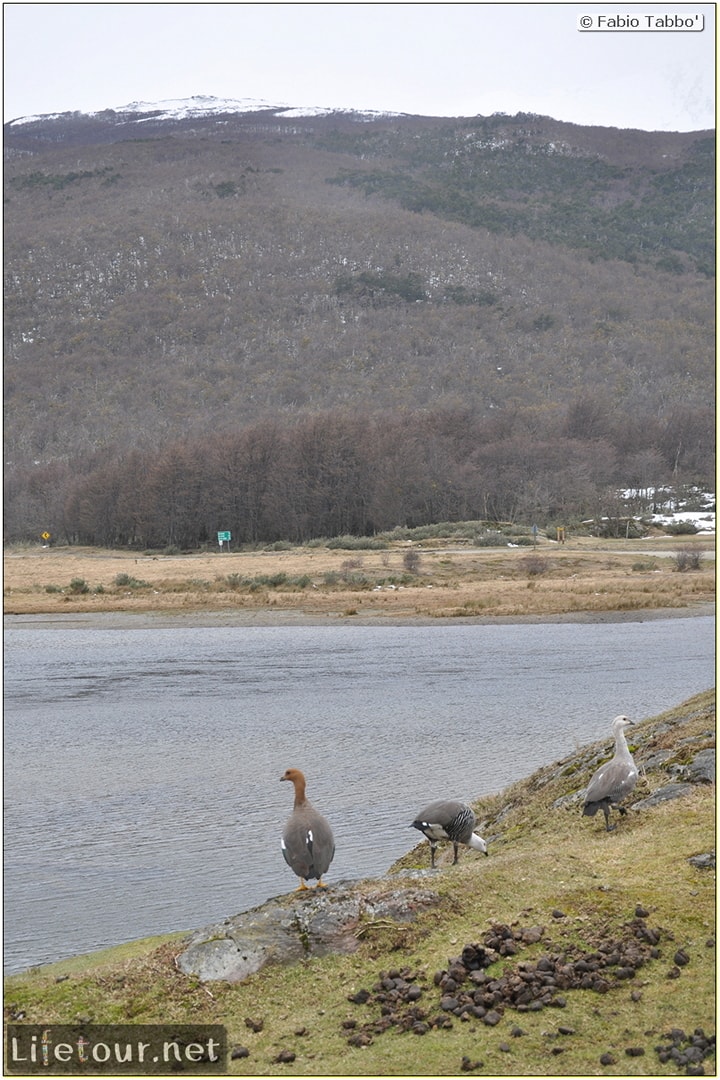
(448, 819)
(307, 843)
(614, 780)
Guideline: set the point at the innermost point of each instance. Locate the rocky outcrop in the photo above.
(671, 779)
(303, 923)
(700, 769)
(663, 794)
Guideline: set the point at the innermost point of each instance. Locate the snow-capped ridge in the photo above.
(198, 105)
(206, 105)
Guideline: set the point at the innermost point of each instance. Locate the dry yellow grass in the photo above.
(452, 581)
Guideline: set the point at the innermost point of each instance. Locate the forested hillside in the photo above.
(299, 327)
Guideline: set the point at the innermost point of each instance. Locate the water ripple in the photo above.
(142, 767)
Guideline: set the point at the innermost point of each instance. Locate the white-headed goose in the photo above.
(614, 780)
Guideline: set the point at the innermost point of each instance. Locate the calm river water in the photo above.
(142, 766)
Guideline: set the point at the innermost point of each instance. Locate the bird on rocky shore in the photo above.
(448, 819)
(614, 780)
(307, 844)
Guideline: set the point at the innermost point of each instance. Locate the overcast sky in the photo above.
(431, 59)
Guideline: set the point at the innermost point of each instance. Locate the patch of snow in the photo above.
(668, 506)
(665, 506)
(199, 105)
(34, 119)
(364, 114)
(702, 521)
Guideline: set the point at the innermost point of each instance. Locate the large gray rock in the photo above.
(701, 769)
(663, 794)
(288, 928)
(706, 861)
(653, 761)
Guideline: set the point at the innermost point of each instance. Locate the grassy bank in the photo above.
(433, 579)
(549, 869)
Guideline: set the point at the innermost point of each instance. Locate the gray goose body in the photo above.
(614, 780)
(307, 844)
(447, 819)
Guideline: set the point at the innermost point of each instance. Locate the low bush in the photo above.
(358, 581)
(356, 543)
(233, 581)
(239, 583)
(681, 528)
(534, 565)
(491, 539)
(126, 581)
(687, 558)
(269, 581)
(411, 561)
(396, 580)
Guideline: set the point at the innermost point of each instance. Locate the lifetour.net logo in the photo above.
(115, 1049)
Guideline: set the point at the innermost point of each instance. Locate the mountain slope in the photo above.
(172, 273)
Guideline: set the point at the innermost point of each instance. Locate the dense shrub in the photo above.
(127, 581)
(681, 528)
(356, 543)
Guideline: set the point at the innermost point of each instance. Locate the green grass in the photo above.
(543, 859)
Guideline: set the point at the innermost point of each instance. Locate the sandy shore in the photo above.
(111, 620)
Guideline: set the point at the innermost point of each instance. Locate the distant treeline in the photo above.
(341, 472)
